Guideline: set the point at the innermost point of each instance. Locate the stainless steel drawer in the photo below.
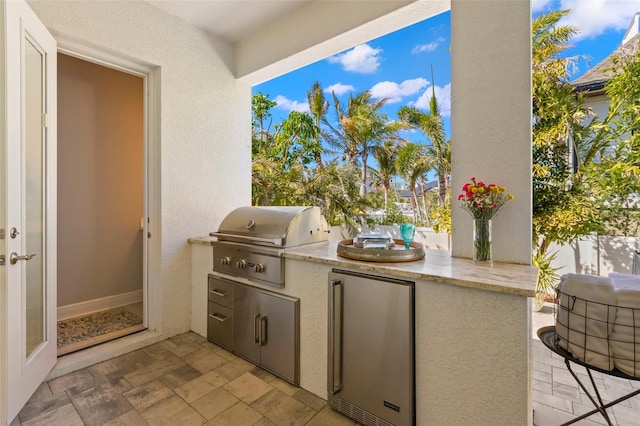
(220, 325)
(221, 291)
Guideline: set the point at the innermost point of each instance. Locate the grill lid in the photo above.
(281, 226)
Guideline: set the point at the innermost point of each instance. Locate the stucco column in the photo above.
(491, 118)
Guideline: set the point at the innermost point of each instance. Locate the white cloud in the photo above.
(428, 47)
(339, 89)
(289, 105)
(362, 59)
(443, 95)
(395, 92)
(594, 17)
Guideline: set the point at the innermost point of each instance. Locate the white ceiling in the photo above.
(231, 20)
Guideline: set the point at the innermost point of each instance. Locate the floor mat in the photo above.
(77, 329)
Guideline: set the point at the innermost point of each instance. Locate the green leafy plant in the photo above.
(441, 218)
(547, 274)
(392, 216)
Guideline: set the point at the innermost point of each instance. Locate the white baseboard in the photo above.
(109, 302)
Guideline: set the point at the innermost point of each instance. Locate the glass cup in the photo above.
(407, 231)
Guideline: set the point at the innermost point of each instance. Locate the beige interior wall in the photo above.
(100, 181)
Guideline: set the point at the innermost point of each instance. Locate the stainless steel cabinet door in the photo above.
(279, 336)
(246, 322)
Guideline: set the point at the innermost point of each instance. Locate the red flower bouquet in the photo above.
(482, 200)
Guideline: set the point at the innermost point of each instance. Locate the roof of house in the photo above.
(595, 79)
(427, 187)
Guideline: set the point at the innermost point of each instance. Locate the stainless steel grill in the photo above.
(251, 240)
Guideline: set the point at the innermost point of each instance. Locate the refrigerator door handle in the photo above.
(334, 381)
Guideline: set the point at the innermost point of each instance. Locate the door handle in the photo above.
(334, 374)
(13, 258)
(256, 337)
(263, 330)
(218, 293)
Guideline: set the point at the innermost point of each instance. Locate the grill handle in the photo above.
(247, 239)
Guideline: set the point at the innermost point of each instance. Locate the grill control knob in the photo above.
(225, 260)
(241, 264)
(259, 267)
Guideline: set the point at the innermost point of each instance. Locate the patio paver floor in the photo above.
(187, 380)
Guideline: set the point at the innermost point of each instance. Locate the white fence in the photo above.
(594, 255)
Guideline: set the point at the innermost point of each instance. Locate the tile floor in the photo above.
(185, 380)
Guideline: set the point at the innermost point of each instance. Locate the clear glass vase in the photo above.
(482, 241)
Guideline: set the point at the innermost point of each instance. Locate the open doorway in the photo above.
(101, 203)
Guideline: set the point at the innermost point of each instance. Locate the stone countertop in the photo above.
(205, 241)
(437, 266)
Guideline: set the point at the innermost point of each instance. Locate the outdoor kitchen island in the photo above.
(473, 329)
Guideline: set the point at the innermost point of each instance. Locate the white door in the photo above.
(30, 260)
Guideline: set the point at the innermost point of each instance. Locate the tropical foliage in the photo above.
(585, 168)
(345, 157)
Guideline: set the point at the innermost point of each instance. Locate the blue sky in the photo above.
(601, 25)
(398, 66)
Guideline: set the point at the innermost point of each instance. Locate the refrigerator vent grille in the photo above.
(356, 413)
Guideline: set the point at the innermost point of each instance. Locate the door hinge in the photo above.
(2, 234)
(2, 260)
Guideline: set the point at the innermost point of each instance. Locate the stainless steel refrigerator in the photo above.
(371, 367)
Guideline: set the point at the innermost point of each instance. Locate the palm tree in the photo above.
(362, 126)
(261, 110)
(386, 156)
(440, 149)
(318, 106)
(413, 164)
(294, 140)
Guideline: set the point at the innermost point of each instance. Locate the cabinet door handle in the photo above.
(219, 317)
(263, 331)
(256, 337)
(218, 293)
